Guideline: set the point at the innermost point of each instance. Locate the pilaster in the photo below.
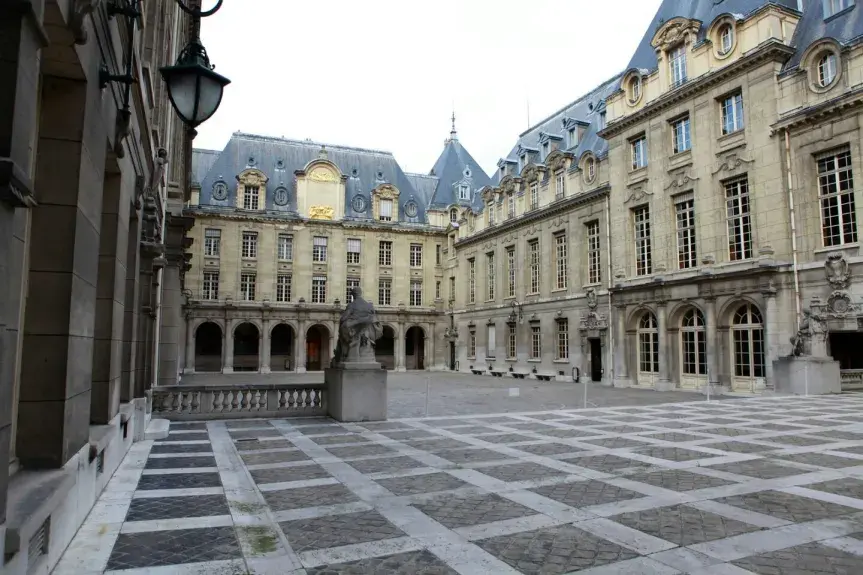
(662, 383)
(621, 373)
(171, 313)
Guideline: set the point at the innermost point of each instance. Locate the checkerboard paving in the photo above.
(769, 485)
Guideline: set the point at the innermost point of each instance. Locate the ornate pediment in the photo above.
(637, 194)
(557, 160)
(252, 177)
(386, 192)
(532, 229)
(731, 162)
(508, 184)
(675, 31)
(322, 170)
(680, 180)
(488, 194)
(532, 173)
(321, 212)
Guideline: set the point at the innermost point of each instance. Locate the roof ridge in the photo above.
(309, 142)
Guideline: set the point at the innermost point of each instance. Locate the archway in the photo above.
(415, 348)
(385, 348)
(208, 347)
(648, 350)
(747, 352)
(317, 347)
(693, 349)
(246, 347)
(282, 348)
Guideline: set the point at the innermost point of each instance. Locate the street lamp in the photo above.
(194, 88)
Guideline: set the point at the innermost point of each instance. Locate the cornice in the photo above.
(770, 50)
(817, 113)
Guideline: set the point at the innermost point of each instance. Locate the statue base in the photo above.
(806, 375)
(356, 391)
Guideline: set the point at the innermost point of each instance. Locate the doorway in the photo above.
(317, 347)
(247, 340)
(595, 359)
(385, 348)
(414, 348)
(208, 347)
(452, 355)
(282, 348)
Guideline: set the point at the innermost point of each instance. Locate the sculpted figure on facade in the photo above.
(811, 325)
(359, 328)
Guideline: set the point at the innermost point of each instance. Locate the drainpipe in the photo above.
(793, 224)
(608, 297)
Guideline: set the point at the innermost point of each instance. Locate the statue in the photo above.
(359, 328)
(801, 343)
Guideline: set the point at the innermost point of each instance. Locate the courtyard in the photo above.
(644, 483)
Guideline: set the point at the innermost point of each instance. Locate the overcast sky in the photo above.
(385, 74)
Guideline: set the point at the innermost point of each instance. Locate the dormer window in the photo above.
(572, 137)
(522, 162)
(634, 89)
(386, 213)
(490, 210)
(453, 215)
(602, 120)
(545, 149)
(677, 60)
(251, 195)
(463, 192)
(832, 7)
(726, 39)
(826, 69)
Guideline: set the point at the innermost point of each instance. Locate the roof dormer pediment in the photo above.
(558, 160)
(675, 31)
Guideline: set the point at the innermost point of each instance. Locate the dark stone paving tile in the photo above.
(586, 493)
(472, 430)
(309, 497)
(722, 421)
(530, 426)
(683, 525)
(275, 457)
(385, 426)
(554, 550)
(445, 422)
(620, 429)
(193, 435)
(728, 431)
(856, 449)
(549, 449)
(437, 444)
(629, 418)
(337, 530)
(739, 447)
(243, 433)
(323, 430)
(819, 422)
(361, 450)
(247, 423)
(795, 440)
(179, 462)
(455, 512)
(606, 463)
(422, 483)
(508, 420)
(384, 464)
(847, 486)
(616, 442)
(412, 563)
(521, 471)
(148, 509)
(187, 426)
(678, 480)
(471, 455)
(307, 421)
(822, 460)
(256, 444)
(674, 437)
(676, 424)
(161, 448)
(787, 506)
(339, 439)
(174, 547)
(775, 427)
(810, 559)
(506, 438)
(674, 415)
(281, 474)
(401, 435)
(673, 453)
(179, 481)
(839, 435)
(595, 422)
(759, 468)
(547, 416)
(571, 433)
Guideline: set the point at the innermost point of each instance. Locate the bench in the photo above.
(520, 374)
(544, 376)
(497, 372)
(476, 371)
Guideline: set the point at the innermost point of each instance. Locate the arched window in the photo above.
(648, 344)
(694, 342)
(826, 69)
(453, 215)
(634, 88)
(726, 39)
(748, 337)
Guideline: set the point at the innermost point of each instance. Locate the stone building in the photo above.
(93, 178)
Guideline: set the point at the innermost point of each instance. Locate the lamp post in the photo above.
(194, 89)
(451, 333)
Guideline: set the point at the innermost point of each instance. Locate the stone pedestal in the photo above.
(806, 375)
(356, 392)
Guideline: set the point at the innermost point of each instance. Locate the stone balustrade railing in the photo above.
(234, 401)
(851, 379)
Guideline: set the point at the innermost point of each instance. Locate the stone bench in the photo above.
(497, 372)
(477, 371)
(545, 375)
(520, 374)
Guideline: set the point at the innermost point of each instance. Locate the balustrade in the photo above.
(236, 401)
(851, 379)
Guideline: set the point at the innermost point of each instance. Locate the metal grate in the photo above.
(100, 462)
(38, 544)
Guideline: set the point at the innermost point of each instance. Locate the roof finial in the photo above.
(452, 134)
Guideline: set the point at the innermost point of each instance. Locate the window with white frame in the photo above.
(385, 292)
(250, 197)
(210, 286)
(319, 289)
(452, 288)
(500, 210)
(594, 267)
(826, 69)
(684, 209)
(533, 251)
(471, 280)
(591, 169)
(693, 340)
(471, 344)
(535, 342)
(385, 253)
(510, 271)
(737, 215)
(726, 38)
(286, 247)
(643, 253)
(437, 254)
(350, 284)
(832, 7)
(534, 195)
(572, 138)
(561, 261)
(437, 290)
(836, 191)
(416, 295)
(283, 287)
(453, 215)
(677, 61)
(747, 328)
(638, 146)
(353, 255)
(511, 342)
(562, 339)
(386, 210)
(559, 185)
(648, 344)
(250, 244)
(489, 208)
(319, 249)
(510, 205)
(602, 120)
(247, 287)
(680, 140)
(212, 242)
(732, 113)
(490, 343)
(490, 278)
(463, 192)
(416, 255)
(545, 150)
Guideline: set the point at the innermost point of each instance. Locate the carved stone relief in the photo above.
(731, 162)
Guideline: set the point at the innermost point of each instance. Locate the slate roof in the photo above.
(455, 165)
(846, 28)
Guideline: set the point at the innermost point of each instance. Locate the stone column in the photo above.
(300, 354)
(431, 359)
(172, 297)
(228, 348)
(143, 348)
(621, 376)
(189, 365)
(401, 338)
(770, 333)
(265, 347)
(131, 303)
(585, 359)
(712, 351)
(662, 383)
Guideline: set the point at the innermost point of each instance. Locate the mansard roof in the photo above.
(455, 165)
(845, 27)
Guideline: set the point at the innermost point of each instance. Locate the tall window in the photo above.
(732, 113)
(437, 294)
(319, 249)
(594, 267)
(677, 59)
(562, 339)
(686, 254)
(490, 343)
(826, 69)
(212, 242)
(250, 197)
(831, 7)
(283, 288)
(737, 214)
(385, 253)
(726, 39)
(471, 280)
(247, 287)
(353, 251)
(643, 255)
(510, 342)
(453, 215)
(463, 192)
(319, 289)
(510, 271)
(385, 292)
(386, 210)
(680, 135)
(748, 335)
(510, 205)
(286, 247)
(471, 344)
(639, 152)
(210, 287)
(648, 344)
(416, 296)
(350, 284)
(836, 188)
(561, 264)
(437, 253)
(490, 210)
(534, 195)
(416, 255)
(535, 342)
(490, 275)
(452, 288)
(559, 185)
(250, 244)
(591, 169)
(533, 250)
(694, 342)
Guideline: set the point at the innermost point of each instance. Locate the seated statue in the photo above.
(359, 328)
(801, 343)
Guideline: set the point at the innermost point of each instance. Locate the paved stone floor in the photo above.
(771, 486)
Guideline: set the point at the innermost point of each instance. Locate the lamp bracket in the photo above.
(126, 8)
(197, 12)
(106, 77)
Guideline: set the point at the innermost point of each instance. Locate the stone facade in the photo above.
(90, 176)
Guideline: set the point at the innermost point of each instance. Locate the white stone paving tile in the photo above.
(468, 559)
(847, 544)
(625, 536)
(184, 492)
(744, 515)
(297, 484)
(507, 527)
(684, 559)
(229, 567)
(172, 524)
(825, 496)
(639, 566)
(358, 551)
(722, 569)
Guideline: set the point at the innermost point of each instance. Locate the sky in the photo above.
(387, 74)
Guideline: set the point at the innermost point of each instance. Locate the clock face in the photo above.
(220, 191)
(358, 204)
(280, 196)
(411, 209)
